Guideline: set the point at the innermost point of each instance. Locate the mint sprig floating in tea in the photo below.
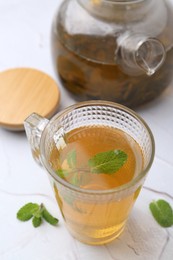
(37, 213)
(108, 162)
(162, 212)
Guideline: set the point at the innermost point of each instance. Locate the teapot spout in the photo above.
(138, 54)
(34, 126)
(150, 55)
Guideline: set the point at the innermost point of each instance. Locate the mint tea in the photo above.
(96, 158)
(97, 155)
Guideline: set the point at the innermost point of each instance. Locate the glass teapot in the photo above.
(116, 50)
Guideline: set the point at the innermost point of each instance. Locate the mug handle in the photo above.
(34, 126)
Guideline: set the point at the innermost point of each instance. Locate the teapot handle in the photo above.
(34, 126)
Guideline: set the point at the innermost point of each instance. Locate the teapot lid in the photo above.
(24, 91)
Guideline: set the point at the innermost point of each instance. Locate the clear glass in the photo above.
(81, 207)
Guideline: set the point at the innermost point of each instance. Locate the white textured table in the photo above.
(25, 42)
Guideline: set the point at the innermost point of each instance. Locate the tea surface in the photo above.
(82, 144)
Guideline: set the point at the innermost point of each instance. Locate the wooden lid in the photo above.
(24, 91)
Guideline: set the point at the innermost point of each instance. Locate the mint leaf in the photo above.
(62, 173)
(36, 221)
(107, 162)
(26, 212)
(48, 217)
(37, 212)
(162, 212)
(75, 180)
(71, 159)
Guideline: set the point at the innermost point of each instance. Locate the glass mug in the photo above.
(95, 205)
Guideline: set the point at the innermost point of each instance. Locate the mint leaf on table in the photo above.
(37, 213)
(36, 221)
(162, 212)
(107, 162)
(26, 212)
(48, 217)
